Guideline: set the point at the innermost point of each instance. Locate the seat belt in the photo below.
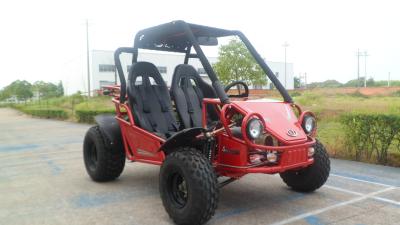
(146, 107)
(172, 126)
(199, 95)
(192, 115)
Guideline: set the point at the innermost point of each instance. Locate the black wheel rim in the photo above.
(177, 190)
(92, 157)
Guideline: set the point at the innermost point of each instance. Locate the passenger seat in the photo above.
(188, 90)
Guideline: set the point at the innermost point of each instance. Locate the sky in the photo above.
(46, 40)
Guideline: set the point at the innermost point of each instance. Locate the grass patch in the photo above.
(86, 111)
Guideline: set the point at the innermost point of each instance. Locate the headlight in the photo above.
(254, 128)
(308, 124)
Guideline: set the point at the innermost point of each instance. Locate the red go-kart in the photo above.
(196, 132)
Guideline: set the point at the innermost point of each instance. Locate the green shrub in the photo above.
(370, 135)
(87, 110)
(87, 115)
(45, 113)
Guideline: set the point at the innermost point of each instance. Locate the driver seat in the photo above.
(188, 90)
(149, 98)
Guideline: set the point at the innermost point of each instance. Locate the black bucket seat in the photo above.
(150, 101)
(188, 90)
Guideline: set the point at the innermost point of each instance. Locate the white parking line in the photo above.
(387, 200)
(319, 211)
(360, 194)
(342, 190)
(365, 181)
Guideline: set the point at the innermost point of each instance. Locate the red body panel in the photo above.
(231, 151)
(278, 116)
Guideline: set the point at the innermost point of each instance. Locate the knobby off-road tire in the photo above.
(312, 177)
(188, 187)
(102, 162)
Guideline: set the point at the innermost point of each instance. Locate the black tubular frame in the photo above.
(189, 35)
(117, 53)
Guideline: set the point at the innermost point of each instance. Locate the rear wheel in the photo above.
(312, 177)
(188, 187)
(102, 162)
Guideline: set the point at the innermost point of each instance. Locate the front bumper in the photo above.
(290, 157)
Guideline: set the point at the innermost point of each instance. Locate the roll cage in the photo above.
(181, 37)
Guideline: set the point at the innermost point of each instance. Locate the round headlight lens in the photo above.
(309, 124)
(254, 128)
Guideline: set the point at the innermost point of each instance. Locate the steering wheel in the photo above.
(238, 84)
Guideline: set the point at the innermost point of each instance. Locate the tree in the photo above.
(48, 90)
(4, 94)
(370, 82)
(325, 84)
(22, 89)
(60, 89)
(297, 82)
(355, 83)
(236, 63)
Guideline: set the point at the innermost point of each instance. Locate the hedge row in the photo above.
(46, 113)
(87, 116)
(370, 136)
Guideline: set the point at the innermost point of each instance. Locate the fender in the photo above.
(110, 128)
(184, 137)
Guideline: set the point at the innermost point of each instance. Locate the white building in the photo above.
(103, 69)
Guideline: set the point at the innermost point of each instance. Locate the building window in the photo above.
(162, 69)
(201, 71)
(106, 68)
(106, 83)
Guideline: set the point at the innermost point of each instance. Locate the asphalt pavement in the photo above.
(43, 181)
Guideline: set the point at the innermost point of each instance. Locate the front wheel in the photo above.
(312, 177)
(188, 187)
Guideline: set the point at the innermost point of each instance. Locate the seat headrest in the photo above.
(146, 70)
(185, 71)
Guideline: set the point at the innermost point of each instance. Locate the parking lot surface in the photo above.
(43, 181)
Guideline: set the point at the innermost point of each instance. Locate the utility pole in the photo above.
(305, 80)
(301, 77)
(389, 79)
(365, 68)
(358, 67)
(87, 56)
(285, 45)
